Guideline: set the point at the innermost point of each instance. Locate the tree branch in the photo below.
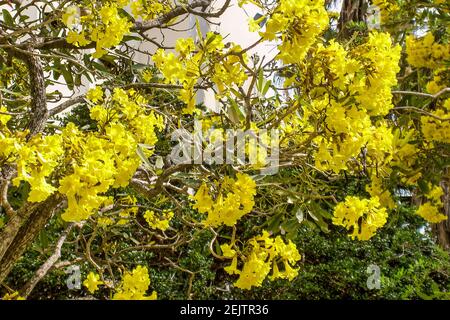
(143, 85)
(4, 184)
(176, 12)
(66, 104)
(423, 94)
(37, 89)
(48, 264)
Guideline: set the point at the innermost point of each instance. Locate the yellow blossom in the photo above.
(92, 282)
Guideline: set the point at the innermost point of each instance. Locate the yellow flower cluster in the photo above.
(195, 60)
(10, 142)
(382, 59)
(162, 222)
(135, 285)
(297, 23)
(431, 213)
(430, 210)
(347, 90)
(234, 200)
(149, 9)
(437, 126)
(256, 150)
(425, 52)
(265, 254)
(36, 161)
(107, 158)
(104, 26)
(360, 216)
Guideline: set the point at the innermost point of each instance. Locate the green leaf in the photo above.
(9, 21)
(291, 227)
(199, 31)
(67, 74)
(273, 224)
(138, 66)
(260, 82)
(423, 186)
(23, 18)
(56, 74)
(234, 112)
(266, 87)
(100, 67)
(130, 38)
(236, 93)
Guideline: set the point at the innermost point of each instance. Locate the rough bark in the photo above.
(39, 110)
(28, 222)
(351, 11)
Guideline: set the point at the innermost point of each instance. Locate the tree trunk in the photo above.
(22, 229)
(442, 230)
(351, 11)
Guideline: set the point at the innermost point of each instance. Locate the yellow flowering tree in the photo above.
(342, 100)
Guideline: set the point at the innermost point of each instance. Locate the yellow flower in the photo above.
(264, 256)
(76, 38)
(363, 216)
(71, 16)
(229, 207)
(134, 286)
(105, 222)
(162, 222)
(297, 24)
(227, 251)
(4, 118)
(254, 25)
(95, 94)
(435, 194)
(425, 52)
(431, 213)
(92, 282)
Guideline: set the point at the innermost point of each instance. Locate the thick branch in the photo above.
(21, 230)
(66, 104)
(38, 95)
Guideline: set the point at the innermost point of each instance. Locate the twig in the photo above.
(4, 198)
(423, 94)
(418, 110)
